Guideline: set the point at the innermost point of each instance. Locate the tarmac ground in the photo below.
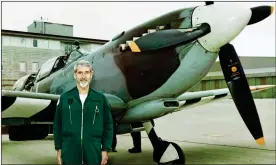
(209, 134)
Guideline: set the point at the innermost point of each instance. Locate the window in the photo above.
(15, 41)
(54, 45)
(23, 67)
(43, 43)
(34, 43)
(5, 40)
(34, 67)
(23, 42)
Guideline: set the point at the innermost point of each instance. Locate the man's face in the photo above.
(83, 75)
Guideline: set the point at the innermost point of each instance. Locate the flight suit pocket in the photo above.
(93, 153)
(67, 119)
(71, 117)
(96, 110)
(64, 147)
(68, 152)
(95, 115)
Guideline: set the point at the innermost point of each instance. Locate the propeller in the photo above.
(236, 80)
(209, 3)
(260, 13)
(240, 91)
(166, 38)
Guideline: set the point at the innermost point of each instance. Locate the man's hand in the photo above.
(58, 158)
(104, 157)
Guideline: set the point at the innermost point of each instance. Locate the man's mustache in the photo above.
(84, 79)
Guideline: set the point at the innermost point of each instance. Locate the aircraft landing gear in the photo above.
(164, 152)
(28, 132)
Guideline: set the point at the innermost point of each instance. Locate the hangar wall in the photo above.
(262, 74)
(25, 52)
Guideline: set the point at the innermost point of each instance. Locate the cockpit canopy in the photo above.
(56, 63)
(47, 67)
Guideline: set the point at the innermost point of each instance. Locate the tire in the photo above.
(180, 153)
(28, 132)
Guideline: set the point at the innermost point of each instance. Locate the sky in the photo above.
(104, 20)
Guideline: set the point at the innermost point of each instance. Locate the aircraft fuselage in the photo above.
(137, 77)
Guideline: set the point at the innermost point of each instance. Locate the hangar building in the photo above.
(25, 52)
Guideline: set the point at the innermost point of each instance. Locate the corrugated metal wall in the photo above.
(208, 83)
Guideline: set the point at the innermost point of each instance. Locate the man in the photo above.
(114, 142)
(136, 137)
(83, 125)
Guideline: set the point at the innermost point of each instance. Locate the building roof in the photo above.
(51, 36)
(45, 21)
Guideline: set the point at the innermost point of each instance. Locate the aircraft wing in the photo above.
(152, 109)
(24, 104)
(192, 99)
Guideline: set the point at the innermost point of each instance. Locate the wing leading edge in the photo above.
(23, 104)
(192, 99)
(153, 109)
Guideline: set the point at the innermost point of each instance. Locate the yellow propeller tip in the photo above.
(271, 9)
(261, 141)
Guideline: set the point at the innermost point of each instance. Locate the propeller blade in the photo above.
(260, 13)
(167, 38)
(209, 3)
(240, 91)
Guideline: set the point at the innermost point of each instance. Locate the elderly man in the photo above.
(83, 124)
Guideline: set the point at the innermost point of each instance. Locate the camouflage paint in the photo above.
(144, 76)
(195, 64)
(129, 75)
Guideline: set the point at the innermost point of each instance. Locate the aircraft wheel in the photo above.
(28, 132)
(180, 153)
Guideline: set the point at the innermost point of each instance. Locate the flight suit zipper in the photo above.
(96, 111)
(82, 133)
(70, 114)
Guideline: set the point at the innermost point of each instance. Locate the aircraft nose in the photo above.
(226, 22)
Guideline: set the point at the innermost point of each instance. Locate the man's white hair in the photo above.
(83, 63)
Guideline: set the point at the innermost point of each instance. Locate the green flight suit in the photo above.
(82, 134)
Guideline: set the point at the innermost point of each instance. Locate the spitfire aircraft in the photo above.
(145, 73)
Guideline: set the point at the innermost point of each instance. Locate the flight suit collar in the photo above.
(90, 94)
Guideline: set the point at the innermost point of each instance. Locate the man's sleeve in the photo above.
(57, 130)
(108, 127)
